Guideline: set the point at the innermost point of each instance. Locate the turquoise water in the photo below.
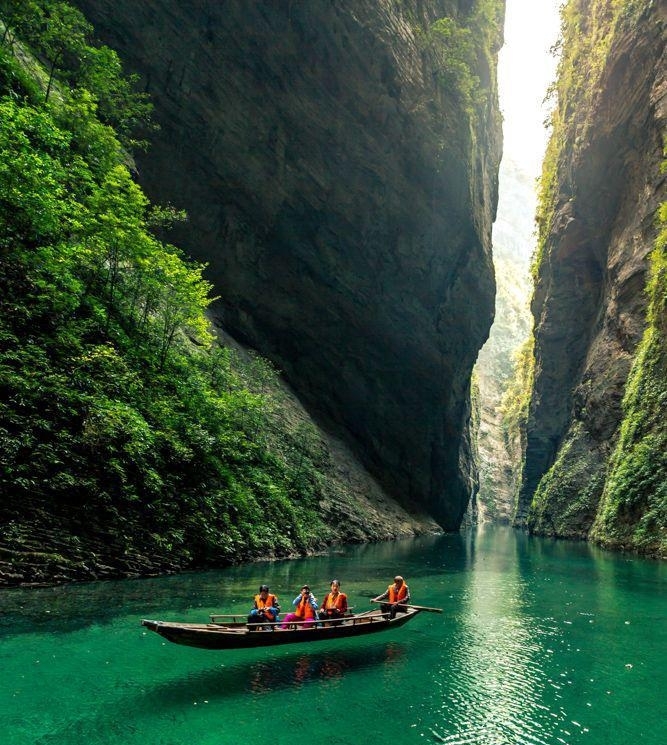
(539, 642)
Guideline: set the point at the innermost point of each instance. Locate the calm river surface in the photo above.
(539, 642)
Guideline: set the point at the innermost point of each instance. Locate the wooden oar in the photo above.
(409, 605)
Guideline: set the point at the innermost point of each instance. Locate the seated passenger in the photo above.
(265, 608)
(306, 605)
(334, 604)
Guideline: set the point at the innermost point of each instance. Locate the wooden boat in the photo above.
(239, 635)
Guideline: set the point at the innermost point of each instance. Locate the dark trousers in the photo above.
(327, 615)
(392, 610)
(259, 618)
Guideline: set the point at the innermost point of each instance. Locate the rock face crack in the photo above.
(343, 202)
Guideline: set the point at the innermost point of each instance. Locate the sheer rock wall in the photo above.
(590, 304)
(344, 204)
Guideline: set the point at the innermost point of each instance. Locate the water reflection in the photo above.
(273, 673)
(301, 669)
(494, 655)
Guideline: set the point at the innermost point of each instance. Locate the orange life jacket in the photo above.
(396, 596)
(339, 602)
(304, 609)
(270, 602)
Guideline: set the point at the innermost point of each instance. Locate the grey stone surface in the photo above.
(343, 203)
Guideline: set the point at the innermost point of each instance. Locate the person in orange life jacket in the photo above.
(334, 604)
(396, 594)
(305, 607)
(265, 608)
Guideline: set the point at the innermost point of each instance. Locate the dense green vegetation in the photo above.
(126, 429)
(633, 511)
(514, 407)
(465, 49)
(566, 499)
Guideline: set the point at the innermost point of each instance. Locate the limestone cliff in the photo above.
(601, 187)
(342, 191)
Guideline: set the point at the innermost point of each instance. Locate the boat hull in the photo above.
(239, 636)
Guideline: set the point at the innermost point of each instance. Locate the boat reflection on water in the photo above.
(239, 677)
(297, 670)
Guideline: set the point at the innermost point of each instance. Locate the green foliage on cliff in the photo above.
(59, 36)
(455, 52)
(124, 425)
(633, 511)
(517, 394)
(567, 496)
(464, 50)
(514, 408)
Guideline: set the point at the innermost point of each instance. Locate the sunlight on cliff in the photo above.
(526, 68)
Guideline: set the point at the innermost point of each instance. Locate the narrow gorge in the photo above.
(247, 271)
